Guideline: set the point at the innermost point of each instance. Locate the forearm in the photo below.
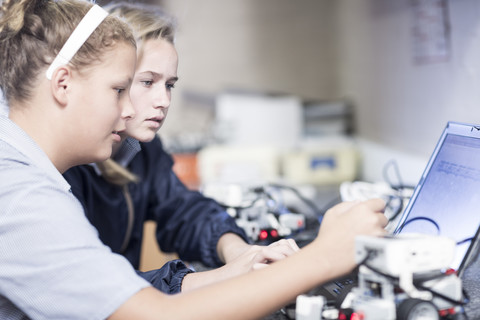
(196, 280)
(241, 258)
(244, 297)
(241, 297)
(232, 249)
(230, 246)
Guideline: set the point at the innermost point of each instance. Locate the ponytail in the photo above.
(115, 173)
(13, 16)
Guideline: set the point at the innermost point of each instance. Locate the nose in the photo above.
(162, 99)
(128, 112)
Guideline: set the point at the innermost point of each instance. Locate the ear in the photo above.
(60, 84)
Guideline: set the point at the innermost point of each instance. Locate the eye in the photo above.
(120, 91)
(170, 86)
(146, 83)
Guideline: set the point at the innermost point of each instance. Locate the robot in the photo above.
(404, 277)
(401, 277)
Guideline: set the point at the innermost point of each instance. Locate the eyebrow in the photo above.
(124, 82)
(155, 74)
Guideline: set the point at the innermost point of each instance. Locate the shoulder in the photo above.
(155, 145)
(155, 151)
(80, 175)
(20, 175)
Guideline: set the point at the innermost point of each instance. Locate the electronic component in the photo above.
(410, 253)
(404, 277)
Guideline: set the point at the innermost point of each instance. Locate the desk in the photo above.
(471, 284)
(276, 316)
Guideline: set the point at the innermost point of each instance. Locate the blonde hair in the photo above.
(115, 173)
(148, 23)
(32, 32)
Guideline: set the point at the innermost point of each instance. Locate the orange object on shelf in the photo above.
(185, 167)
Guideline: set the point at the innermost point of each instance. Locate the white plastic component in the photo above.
(293, 221)
(309, 307)
(361, 190)
(396, 255)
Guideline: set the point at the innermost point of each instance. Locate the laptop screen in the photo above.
(447, 199)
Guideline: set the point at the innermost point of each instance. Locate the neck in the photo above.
(40, 117)
(42, 132)
(116, 147)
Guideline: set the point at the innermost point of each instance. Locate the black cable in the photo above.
(421, 287)
(398, 187)
(398, 210)
(418, 286)
(308, 202)
(388, 276)
(394, 164)
(269, 196)
(464, 241)
(442, 296)
(251, 204)
(420, 218)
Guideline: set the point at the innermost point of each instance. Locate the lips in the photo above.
(117, 135)
(158, 119)
(119, 132)
(155, 122)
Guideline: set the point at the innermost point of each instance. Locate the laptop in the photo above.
(446, 201)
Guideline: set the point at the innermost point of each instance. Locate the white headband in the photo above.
(85, 28)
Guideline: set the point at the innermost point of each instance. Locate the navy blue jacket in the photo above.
(187, 222)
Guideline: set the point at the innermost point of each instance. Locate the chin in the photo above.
(148, 138)
(104, 154)
(145, 136)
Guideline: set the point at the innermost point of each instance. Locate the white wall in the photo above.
(360, 49)
(399, 103)
(269, 45)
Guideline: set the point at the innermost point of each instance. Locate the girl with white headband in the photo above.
(53, 265)
(67, 93)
